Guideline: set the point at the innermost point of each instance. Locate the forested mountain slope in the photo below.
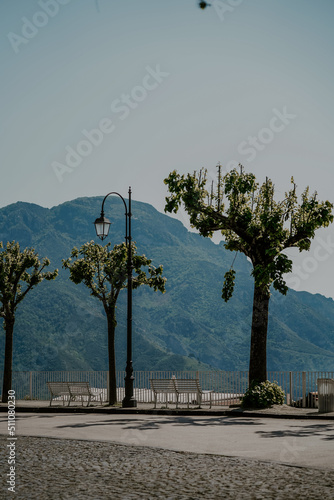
(59, 326)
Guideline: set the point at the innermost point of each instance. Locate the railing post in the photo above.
(290, 389)
(30, 385)
(304, 388)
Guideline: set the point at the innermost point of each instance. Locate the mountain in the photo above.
(59, 326)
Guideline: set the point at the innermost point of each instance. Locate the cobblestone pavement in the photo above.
(72, 469)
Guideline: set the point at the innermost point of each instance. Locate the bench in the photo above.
(177, 387)
(71, 390)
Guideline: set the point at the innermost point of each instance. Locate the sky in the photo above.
(100, 95)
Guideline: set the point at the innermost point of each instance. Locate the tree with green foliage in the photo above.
(251, 222)
(20, 272)
(104, 273)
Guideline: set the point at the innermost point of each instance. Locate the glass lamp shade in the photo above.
(102, 225)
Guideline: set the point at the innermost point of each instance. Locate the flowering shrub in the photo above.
(263, 395)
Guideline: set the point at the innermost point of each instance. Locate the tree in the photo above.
(253, 223)
(20, 272)
(104, 273)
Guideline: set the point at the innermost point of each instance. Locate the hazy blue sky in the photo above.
(169, 86)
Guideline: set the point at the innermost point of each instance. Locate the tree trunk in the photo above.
(7, 373)
(111, 318)
(258, 348)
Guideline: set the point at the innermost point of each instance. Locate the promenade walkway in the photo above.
(169, 455)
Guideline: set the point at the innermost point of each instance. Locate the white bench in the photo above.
(71, 390)
(177, 387)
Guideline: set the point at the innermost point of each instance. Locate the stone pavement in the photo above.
(72, 469)
(169, 455)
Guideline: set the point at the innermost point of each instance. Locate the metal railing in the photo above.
(227, 386)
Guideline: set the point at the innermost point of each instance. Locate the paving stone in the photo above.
(72, 469)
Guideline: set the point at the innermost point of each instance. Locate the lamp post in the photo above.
(102, 225)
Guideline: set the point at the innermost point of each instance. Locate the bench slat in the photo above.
(187, 386)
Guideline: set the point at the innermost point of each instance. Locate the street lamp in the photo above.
(102, 226)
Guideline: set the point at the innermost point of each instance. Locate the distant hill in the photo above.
(60, 327)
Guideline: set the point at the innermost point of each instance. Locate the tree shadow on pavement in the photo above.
(154, 423)
(324, 431)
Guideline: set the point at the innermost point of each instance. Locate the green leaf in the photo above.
(228, 286)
